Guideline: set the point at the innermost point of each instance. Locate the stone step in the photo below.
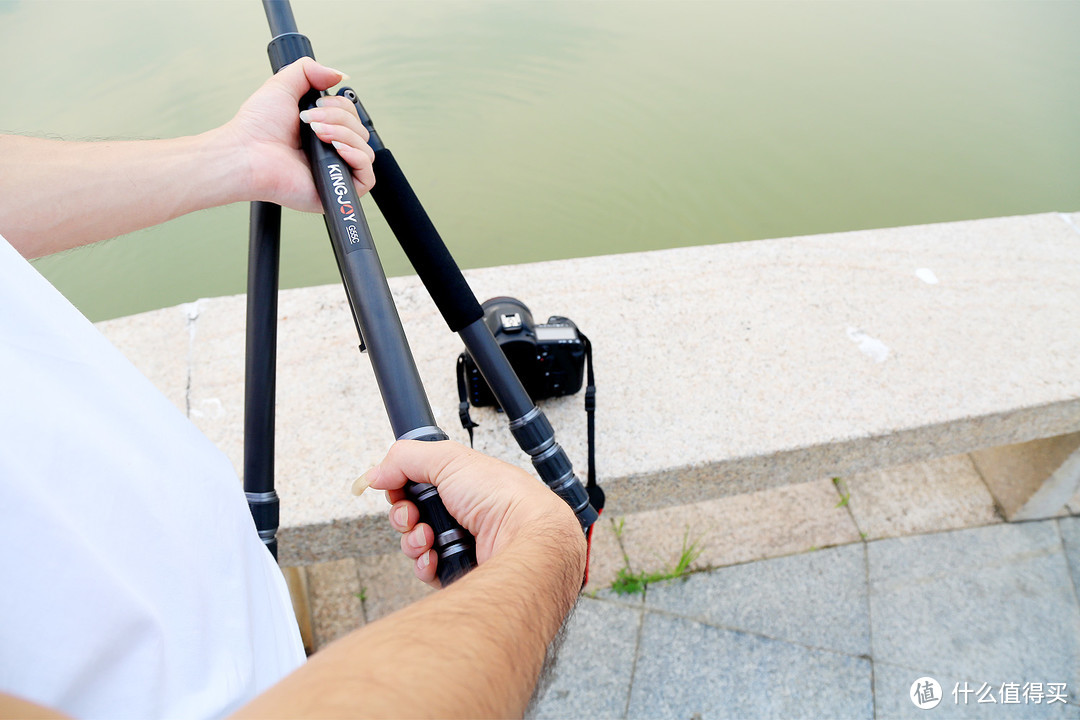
(913, 499)
(723, 370)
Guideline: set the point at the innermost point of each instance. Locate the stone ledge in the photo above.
(721, 369)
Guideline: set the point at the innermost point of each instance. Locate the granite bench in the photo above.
(721, 369)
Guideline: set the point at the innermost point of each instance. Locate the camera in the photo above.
(549, 358)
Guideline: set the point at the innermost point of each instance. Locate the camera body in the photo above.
(549, 358)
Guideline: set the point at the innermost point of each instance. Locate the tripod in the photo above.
(379, 326)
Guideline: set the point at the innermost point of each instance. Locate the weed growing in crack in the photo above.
(629, 583)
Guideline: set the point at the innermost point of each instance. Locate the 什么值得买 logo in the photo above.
(925, 693)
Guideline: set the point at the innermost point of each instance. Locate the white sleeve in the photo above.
(135, 584)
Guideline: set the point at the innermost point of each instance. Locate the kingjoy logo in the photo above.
(337, 178)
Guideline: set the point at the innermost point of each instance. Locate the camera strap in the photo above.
(596, 495)
(463, 405)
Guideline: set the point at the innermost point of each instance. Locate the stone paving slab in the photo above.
(1073, 506)
(591, 678)
(605, 555)
(923, 497)
(687, 670)
(388, 584)
(335, 595)
(990, 604)
(793, 636)
(731, 530)
(1032, 480)
(1070, 538)
(816, 599)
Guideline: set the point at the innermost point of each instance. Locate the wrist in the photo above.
(556, 546)
(233, 178)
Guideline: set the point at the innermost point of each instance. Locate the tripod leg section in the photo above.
(261, 369)
(452, 295)
(365, 282)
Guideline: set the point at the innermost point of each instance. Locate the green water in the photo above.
(540, 130)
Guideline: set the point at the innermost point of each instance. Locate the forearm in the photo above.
(58, 195)
(474, 649)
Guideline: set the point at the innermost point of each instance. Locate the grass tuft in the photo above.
(845, 494)
(630, 583)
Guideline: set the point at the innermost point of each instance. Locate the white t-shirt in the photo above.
(132, 581)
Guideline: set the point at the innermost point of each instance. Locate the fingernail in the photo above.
(317, 127)
(305, 116)
(344, 76)
(416, 538)
(339, 146)
(363, 482)
(401, 516)
(423, 561)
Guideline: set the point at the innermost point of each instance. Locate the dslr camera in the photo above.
(549, 358)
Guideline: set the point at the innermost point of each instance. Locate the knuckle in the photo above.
(338, 113)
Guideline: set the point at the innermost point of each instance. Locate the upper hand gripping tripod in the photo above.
(377, 321)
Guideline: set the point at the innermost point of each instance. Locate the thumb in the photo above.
(298, 77)
(422, 462)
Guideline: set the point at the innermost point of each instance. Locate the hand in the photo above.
(267, 128)
(496, 502)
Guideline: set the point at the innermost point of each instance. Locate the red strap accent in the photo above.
(588, 547)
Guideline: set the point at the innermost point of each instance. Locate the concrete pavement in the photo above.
(824, 599)
(990, 613)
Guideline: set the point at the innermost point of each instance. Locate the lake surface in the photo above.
(541, 130)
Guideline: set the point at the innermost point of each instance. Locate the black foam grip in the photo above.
(453, 544)
(421, 242)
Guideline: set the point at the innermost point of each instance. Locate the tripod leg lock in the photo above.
(454, 546)
(288, 48)
(554, 469)
(533, 432)
(265, 511)
(535, 435)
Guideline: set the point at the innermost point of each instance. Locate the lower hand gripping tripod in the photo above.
(379, 326)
